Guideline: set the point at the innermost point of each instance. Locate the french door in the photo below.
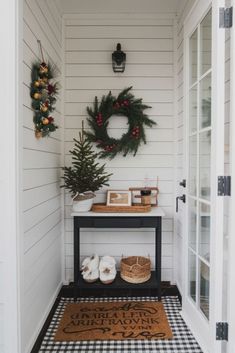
(204, 152)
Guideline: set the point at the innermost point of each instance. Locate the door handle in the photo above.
(181, 198)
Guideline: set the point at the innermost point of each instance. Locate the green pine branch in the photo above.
(85, 174)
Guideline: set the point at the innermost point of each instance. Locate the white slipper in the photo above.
(107, 269)
(90, 268)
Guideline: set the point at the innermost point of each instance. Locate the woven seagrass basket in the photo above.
(135, 269)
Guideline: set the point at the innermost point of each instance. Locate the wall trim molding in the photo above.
(121, 16)
(44, 324)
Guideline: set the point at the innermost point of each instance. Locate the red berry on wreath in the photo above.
(135, 132)
(126, 102)
(50, 119)
(50, 89)
(116, 105)
(99, 119)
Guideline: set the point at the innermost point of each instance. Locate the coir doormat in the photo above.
(113, 321)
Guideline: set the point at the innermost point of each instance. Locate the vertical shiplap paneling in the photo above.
(148, 43)
(41, 177)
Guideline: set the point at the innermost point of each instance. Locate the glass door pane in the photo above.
(199, 165)
(193, 165)
(205, 45)
(193, 43)
(205, 103)
(204, 288)
(204, 231)
(192, 275)
(193, 109)
(192, 224)
(205, 164)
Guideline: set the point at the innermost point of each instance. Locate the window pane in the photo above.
(204, 164)
(192, 275)
(204, 231)
(193, 109)
(192, 224)
(205, 102)
(204, 288)
(205, 52)
(193, 57)
(193, 165)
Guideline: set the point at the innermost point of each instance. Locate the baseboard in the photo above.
(67, 291)
(44, 323)
(194, 332)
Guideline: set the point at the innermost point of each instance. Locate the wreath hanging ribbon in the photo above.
(125, 104)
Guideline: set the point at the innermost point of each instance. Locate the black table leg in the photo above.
(76, 255)
(158, 252)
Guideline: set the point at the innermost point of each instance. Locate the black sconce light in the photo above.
(118, 59)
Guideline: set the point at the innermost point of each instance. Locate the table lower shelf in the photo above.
(119, 283)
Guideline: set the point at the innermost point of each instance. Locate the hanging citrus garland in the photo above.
(43, 93)
(124, 105)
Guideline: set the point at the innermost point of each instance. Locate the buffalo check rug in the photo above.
(182, 341)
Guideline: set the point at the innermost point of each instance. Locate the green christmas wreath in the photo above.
(43, 93)
(124, 105)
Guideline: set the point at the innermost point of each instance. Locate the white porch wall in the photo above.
(41, 179)
(148, 43)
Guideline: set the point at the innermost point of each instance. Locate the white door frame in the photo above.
(203, 331)
(231, 241)
(11, 62)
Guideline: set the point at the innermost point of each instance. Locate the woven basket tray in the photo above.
(135, 269)
(100, 207)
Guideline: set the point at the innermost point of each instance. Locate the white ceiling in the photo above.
(120, 6)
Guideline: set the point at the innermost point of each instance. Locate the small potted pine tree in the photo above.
(85, 176)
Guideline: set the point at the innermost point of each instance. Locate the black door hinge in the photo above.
(226, 17)
(224, 185)
(221, 331)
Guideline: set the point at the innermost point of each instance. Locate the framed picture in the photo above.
(118, 198)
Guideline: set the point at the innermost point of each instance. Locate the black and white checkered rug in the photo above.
(182, 342)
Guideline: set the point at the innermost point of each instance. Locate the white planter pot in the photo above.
(82, 205)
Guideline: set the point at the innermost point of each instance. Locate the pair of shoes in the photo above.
(93, 269)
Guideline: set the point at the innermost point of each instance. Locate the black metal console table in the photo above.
(152, 219)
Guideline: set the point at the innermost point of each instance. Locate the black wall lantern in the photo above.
(118, 59)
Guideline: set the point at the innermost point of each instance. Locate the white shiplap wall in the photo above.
(41, 178)
(148, 43)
